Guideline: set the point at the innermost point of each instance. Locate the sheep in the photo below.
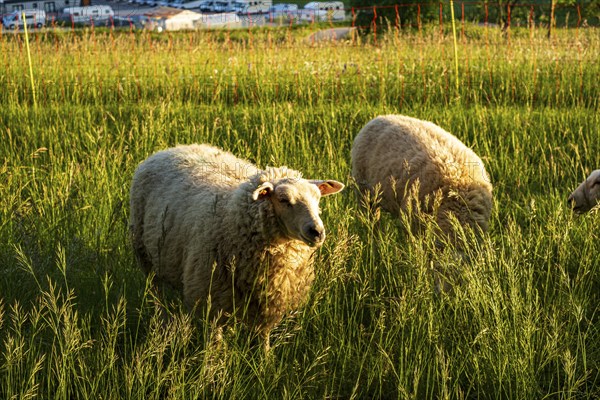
(587, 194)
(234, 240)
(400, 155)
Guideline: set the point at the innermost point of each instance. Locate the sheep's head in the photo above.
(587, 195)
(296, 206)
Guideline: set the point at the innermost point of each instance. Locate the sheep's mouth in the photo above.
(311, 242)
(577, 209)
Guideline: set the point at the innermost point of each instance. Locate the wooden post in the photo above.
(551, 19)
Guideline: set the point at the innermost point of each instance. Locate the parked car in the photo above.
(223, 6)
(33, 18)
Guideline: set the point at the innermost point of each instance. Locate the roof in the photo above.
(316, 4)
(168, 12)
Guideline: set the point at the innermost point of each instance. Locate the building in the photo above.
(52, 7)
(171, 19)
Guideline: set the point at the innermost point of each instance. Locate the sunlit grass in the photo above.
(77, 319)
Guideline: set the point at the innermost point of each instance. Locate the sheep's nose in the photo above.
(315, 233)
(571, 201)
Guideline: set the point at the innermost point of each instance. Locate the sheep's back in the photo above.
(395, 151)
(173, 192)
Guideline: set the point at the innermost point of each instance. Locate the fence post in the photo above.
(531, 22)
(485, 19)
(508, 22)
(551, 19)
(578, 21)
(353, 17)
(462, 20)
(374, 22)
(250, 37)
(441, 21)
(455, 46)
(29, 57)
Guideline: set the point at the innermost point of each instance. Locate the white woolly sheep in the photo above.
(229, 236)
(402, 155)
(587, 194)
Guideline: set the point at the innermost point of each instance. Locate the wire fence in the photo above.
(490, 15)
(373, 18)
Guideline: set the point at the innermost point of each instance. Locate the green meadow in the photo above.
(79, 321)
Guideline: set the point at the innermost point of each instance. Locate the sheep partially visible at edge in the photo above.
(402, 154)
(218, 229)
(587, 194)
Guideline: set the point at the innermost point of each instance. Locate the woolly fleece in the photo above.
(587, 194)
(404, 154)
(227, 234)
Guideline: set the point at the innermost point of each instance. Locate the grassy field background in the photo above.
(78, 321)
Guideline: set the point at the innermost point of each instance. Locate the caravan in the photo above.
(246, 7)
(33, 18)
(323, 11)
(88, 14)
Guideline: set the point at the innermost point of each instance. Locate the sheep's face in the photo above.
(587, 195)
(296, 206)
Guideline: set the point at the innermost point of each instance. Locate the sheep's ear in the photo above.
(328, 187)
(262, 191)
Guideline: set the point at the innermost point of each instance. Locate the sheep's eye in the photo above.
(596, 183)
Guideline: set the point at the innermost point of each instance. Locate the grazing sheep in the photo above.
(227, 235)
(587, 195)
(404, 155)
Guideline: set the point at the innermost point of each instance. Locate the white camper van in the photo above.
(323, 11)
(245, 7)
(33, 18)
(88, 14)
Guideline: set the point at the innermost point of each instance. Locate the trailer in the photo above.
(87, 14)
(246, 7)
(316, 11)
(33, 18)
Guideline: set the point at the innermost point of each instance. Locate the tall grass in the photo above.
(77, 319)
